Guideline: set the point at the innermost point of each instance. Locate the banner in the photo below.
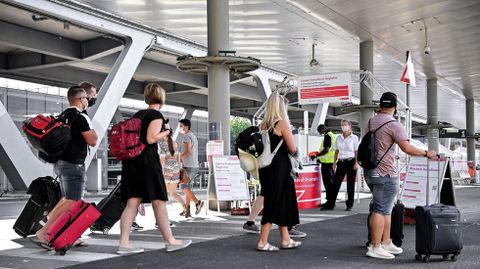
(326, 88)
(408, 75)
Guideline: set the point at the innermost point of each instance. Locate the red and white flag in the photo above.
(408, 75)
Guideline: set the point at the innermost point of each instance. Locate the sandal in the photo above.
(42, 244)
(291, 244)
(80, 243)
(267, 248)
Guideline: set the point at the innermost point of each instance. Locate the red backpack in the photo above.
(124, 139)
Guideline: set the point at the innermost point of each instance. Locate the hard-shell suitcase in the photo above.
(70, 225)
(396, 229)
(437, 231)
(28, 222)
(45, 193)
(111, 208)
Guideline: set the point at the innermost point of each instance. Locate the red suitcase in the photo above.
(71, 225)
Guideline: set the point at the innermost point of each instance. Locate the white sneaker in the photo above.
(392, 249)
(379, 252)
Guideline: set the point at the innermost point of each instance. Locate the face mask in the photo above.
(345, 128)
(91, 101)
(395, 112)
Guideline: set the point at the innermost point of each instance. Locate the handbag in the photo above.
(184, 179)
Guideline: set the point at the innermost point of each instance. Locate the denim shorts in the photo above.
(72, 179)
(384, 191)
(192, 172)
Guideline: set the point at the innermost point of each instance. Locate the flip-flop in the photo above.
(41, 244)
(291, 244)
(267, 248)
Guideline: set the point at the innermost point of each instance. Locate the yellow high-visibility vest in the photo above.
(329, 156)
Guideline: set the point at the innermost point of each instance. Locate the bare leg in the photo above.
(264, 232)
(386, 229)
(256, 208)
(285, 237)
(190, 196)
(62, 206)
(161, 216)
(126, 220)
(172, 189)
(377, 225)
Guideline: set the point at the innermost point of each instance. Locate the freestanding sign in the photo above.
(325, 88)
(230, 179)
(440, 187)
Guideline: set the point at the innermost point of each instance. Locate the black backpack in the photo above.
(250, 140)
(367, 150)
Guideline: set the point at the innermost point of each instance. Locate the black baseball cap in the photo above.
(388, 99)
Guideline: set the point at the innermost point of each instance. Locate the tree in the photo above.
(237, 125)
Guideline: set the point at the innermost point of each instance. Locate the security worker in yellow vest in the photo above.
(326, 158)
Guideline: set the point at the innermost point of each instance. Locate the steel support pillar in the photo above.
(319, 118)
(218, 75)
(470, 111)
(112, 89)
(432, 114)
(366, 95)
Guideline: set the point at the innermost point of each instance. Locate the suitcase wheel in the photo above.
(426, 258)
(418, 257)
(454, 257)
(446, 257)
(61, 252)
(106, 230)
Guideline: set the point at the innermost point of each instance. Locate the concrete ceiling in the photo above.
(281, 33)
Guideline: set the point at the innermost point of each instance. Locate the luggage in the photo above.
(111, 208)
(50, 135)
(437, 232)
(396, 228)
(45, 194)
(70, 225)
(28, 222)
(124, 139)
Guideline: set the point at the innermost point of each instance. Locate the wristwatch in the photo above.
(426, 153)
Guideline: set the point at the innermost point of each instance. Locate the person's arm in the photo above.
(327, 142)
(286, 132)
(414, 151)
(187, 150)
(335, 158)
(90, 137)
(87, 132)
(154, 131)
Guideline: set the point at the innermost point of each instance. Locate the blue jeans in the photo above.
(384, 191)
(72, 179)
(192, 172)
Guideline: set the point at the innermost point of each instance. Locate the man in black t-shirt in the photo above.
(70, 167)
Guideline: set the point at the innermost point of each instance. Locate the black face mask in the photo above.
(91, 101)
(394, 113)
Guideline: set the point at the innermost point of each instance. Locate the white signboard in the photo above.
(325, 88)
(214, 148)
(415, 188)
(230, 179)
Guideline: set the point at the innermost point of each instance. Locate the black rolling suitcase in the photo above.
(45, 194)
(437, 232)
(111, 208)
(437, 227)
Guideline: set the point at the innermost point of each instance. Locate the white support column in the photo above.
(320, 116)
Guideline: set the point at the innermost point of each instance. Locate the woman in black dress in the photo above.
(278, 189)
(142, 177)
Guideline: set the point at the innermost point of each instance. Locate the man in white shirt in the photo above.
(345, 163)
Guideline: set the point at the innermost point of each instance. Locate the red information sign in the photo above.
(327, 88)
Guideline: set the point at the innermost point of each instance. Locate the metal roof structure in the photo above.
(42, 48)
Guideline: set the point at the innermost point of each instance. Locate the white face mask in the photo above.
(345, 128)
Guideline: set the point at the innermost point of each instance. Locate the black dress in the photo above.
(278, 189)
(142, 176)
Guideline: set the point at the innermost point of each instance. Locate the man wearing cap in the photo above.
(326, 158)
(382, 180)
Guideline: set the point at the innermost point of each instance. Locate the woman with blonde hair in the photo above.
(278, 189)
(142, 176)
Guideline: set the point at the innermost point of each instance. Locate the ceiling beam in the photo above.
(38, 41)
